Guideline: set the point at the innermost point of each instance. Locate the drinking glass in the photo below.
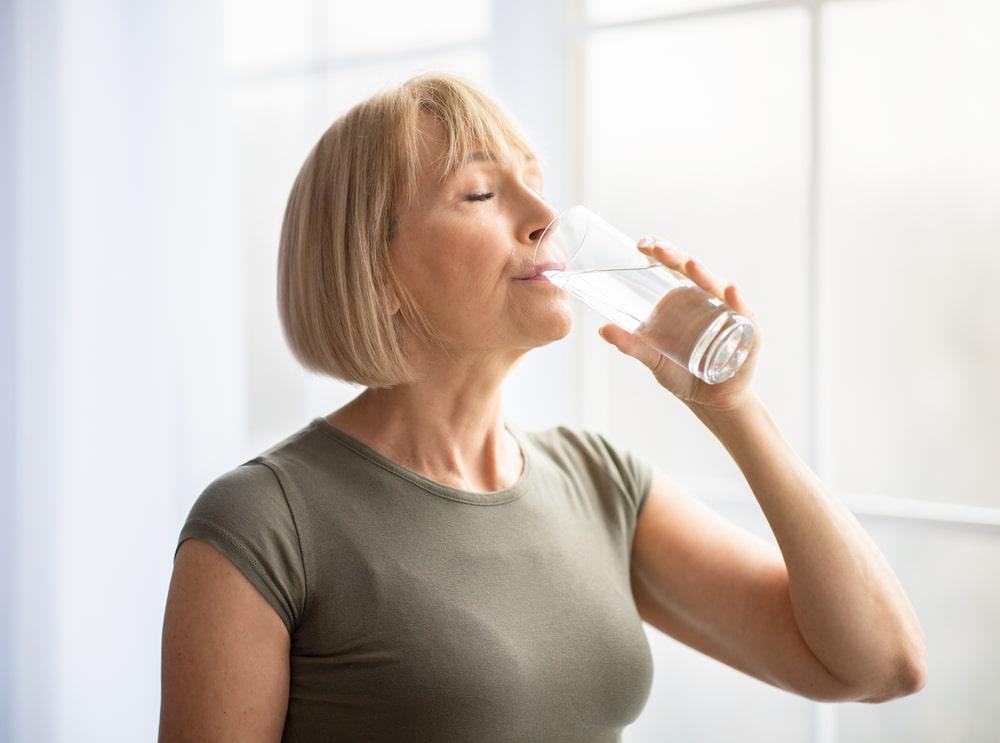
(601, 266)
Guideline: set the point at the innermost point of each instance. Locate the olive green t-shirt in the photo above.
(421, 612)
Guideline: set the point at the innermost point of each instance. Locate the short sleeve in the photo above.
(636, 473)
(244, 514)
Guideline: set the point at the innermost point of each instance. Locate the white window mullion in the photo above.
(820, 454)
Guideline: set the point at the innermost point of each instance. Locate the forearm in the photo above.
(847, 602)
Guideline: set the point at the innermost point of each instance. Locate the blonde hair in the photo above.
(335, 279)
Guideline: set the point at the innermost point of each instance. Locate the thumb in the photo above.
(631, 345)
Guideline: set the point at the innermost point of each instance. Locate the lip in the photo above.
(536, 280)
(536, 274)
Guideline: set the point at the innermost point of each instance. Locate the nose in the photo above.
(540, 218)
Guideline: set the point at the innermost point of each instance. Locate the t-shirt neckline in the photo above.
(492, 498)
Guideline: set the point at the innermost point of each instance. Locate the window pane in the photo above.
(275, 126)
(950, 577)
(260, 33)
(343, 89)
(911, 164)
(697, 132)
(625, 10)
(362, 27)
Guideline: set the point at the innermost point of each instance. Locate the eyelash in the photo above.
(488, 195)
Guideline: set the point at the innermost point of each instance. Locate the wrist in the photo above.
(746, 404)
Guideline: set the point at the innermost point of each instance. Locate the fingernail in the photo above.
(645, 241)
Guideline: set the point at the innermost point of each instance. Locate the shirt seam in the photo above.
(298, 534)
(617, 457)
(421, 485)
(244, 552)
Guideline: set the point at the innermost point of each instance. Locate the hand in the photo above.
(684, 385)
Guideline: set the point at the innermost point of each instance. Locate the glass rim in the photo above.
(556, 219)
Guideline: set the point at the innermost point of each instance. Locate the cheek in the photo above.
(462, 265)
(453, 283)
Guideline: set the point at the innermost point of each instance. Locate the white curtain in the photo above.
(121, 316)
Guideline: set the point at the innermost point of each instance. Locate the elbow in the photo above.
(913, 675)
(909, 674)
(909, 678)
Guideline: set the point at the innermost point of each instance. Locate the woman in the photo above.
(413, 566)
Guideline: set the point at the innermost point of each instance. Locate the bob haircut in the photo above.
(336, 286)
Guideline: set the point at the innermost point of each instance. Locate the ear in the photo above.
(388, 286)
(392, 302)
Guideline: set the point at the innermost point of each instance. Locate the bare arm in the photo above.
(225, 661)
(826, 597)
(847, 602)
(837, 588)
(723, 591)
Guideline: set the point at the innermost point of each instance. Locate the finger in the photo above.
(629, 344)
(699, 274)
(663, 252)
(693, 269)
(734, 298)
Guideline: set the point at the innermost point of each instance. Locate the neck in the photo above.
(452, 434)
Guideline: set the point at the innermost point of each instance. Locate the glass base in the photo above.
(722, 349)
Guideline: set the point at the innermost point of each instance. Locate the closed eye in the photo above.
(479, 196)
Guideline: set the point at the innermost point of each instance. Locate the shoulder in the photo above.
(265, 486)
(581, 444)
(245, 515)
(246, 481)
(599, 457)
(570, 441)
(251, 490)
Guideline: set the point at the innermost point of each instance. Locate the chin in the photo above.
(555, 326)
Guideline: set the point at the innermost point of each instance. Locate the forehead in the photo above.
(435, 159)
(524, 161)
(515, 160)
